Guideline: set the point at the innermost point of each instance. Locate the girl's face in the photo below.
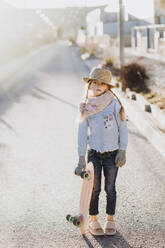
(97, 87)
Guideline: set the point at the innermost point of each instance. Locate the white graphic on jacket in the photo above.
(108, 121)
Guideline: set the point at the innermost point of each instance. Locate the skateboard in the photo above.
(85, 197)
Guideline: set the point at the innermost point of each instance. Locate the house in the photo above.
(105, 22)
(159, 9)
(152, 38)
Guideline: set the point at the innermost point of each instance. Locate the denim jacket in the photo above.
(104, 131)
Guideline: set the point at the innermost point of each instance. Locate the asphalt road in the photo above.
(37, 158)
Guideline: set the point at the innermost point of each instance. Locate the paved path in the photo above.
(37, 158)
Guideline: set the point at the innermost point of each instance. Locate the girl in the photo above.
(102, 114)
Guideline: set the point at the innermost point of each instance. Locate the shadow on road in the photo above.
(55, 97)
(7, 125)
(133, 132)
(27, 87)
(15, 94)
(34, 94)
(116, 241)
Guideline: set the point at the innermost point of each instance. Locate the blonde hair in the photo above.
(85, 101)
(122, 111)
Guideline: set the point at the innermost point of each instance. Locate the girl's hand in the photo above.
(81, 165)
(120, 159)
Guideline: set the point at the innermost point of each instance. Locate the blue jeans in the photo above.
(105, 161)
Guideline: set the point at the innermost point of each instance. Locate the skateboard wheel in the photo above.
(77, 222)
(69, 218)
(85, 175)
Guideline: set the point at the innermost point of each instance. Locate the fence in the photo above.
(149, 38)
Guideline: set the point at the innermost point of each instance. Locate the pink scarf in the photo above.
(96, 104)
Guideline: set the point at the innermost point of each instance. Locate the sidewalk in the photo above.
(145, 122)
(150, 55)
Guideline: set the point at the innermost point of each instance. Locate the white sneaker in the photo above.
(110, 228)
(95, 228)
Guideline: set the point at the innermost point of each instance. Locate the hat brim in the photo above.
(87, 80)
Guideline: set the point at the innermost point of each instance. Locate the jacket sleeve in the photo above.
(122, 127)
(82, 137)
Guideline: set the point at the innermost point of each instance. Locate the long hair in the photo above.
(85, 101)
(122, 111)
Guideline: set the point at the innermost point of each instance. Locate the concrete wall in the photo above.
(161, 47)
(159, 9)
(149, 38)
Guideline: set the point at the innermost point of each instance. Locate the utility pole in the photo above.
(121, 31)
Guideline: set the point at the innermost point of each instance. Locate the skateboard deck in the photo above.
(85, 197)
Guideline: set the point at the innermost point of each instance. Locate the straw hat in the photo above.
(101, 74)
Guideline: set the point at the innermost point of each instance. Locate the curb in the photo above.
(145, 122)
(157, 113)
(155, 57)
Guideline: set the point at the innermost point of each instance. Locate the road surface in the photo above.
(37, 158)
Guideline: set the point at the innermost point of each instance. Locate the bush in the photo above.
(109, 56)
(90, 47)
(133, 76)
(72, 40)
(108, 61)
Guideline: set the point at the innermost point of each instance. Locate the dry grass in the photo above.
(102, 47)
(72, 40)
(109, 56)
(108, 61)
(154, 98)
(90, 47)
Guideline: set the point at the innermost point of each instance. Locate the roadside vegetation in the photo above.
(132, 76)
(136, 78)
(91, 48)
(155, 98)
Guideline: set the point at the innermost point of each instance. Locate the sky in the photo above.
(139, 8)
(55, 3)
